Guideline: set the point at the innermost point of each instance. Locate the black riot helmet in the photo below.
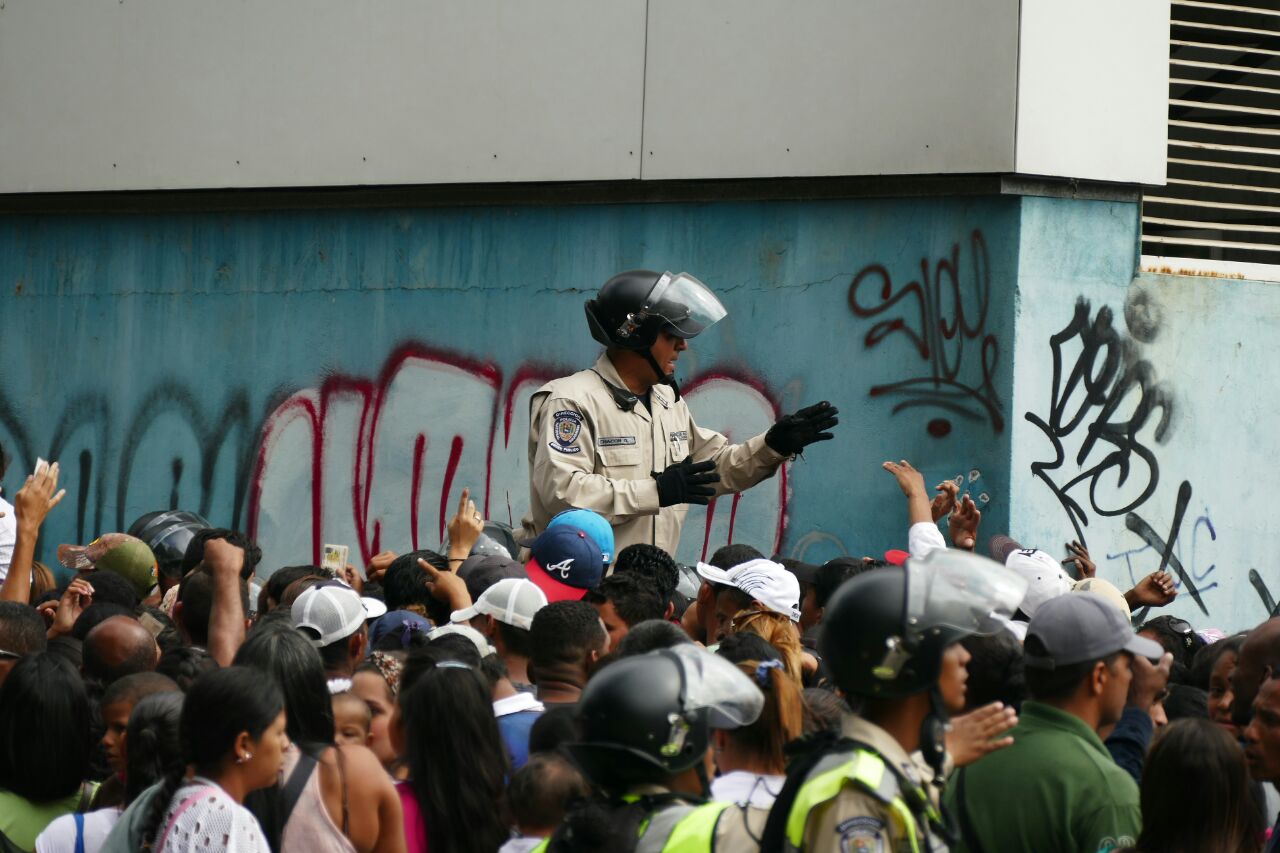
(634, 306)
(167, 534)
(649, 717)
(884, 632)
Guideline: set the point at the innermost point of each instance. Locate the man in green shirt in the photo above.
(1057, 788)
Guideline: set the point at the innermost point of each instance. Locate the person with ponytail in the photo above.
(233, 736)
(750, 758)
(153, 751)
(458, 766)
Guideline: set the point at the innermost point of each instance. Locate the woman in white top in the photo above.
(233, 734)
(750, 759)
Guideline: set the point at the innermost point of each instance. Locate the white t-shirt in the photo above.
(8, 536)
(744, 788)
(60, 836)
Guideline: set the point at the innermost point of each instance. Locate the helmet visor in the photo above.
(711, 682)
(960, 591)
(685, 304)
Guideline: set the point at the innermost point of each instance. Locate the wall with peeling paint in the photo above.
(340, 376)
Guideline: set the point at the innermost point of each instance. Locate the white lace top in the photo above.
(203, 817)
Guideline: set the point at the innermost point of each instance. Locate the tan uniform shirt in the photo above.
(857, 821)
(586, 451)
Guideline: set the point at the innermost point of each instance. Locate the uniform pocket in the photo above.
(619, 457)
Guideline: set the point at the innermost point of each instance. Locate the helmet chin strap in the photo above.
(667, 379)
(933, 732)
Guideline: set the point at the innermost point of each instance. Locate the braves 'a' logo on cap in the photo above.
(562, 567)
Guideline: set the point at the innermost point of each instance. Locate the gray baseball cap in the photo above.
(1079, 628)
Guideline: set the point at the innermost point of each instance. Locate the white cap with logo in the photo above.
(764, 580)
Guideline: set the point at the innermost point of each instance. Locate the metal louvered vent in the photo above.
(1222, 201)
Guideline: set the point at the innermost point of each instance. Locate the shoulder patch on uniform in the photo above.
(616, 440)
(861, 834)
(565, 431)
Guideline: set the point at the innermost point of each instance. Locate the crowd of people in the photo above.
(177, 695)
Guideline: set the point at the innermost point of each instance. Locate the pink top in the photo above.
(415, 826)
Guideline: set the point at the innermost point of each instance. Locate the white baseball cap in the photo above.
(333, 610)
(764, 580)
(477, 639)
(512, 601)
(1045, 577)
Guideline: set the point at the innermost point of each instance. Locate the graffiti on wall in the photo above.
(943, 314)
(1105, 399)
(379, 462)
(370, 462)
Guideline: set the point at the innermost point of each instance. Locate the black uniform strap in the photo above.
(806, 753)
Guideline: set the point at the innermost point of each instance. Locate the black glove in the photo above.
(686, 482)
(793, 433)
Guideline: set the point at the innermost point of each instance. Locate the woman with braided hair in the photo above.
(233, 735)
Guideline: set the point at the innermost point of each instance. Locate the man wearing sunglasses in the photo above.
(618, 438)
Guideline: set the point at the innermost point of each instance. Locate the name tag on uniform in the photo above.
(616, 440)
(680, 435)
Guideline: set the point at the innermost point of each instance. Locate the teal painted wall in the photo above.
(312, 375)
(1160, 407)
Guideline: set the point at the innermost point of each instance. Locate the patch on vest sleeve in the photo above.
(861, 835)
(565, 431)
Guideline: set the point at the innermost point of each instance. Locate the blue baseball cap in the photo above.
(593, 523)
(566, 563)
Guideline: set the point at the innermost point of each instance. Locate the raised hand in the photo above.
(77, 597)
(980, 732)
(911, 482)
(378, 565)
(1155, 590)
(38, 495)
(909, 479)
(945, 500)
(465, 527)
(963, 523)
(1080, 559)
(793, 433)
(448, 587)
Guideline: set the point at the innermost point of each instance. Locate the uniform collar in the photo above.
(864, 731)
(660, 395)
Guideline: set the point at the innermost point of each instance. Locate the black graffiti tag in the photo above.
(950, 310)
(1106, 375)
(1107, 378)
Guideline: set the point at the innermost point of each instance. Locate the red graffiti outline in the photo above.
(372, 396)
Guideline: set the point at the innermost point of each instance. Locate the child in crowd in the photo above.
(351, 720)
(539, 794)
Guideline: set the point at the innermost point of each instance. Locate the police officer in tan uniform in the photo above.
(618, 439)
(645, 726)
(891, 637)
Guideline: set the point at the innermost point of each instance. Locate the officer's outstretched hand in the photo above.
(686, 482)
(793, 433)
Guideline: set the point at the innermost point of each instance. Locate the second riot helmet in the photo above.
(649, 717)
(884, 632)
